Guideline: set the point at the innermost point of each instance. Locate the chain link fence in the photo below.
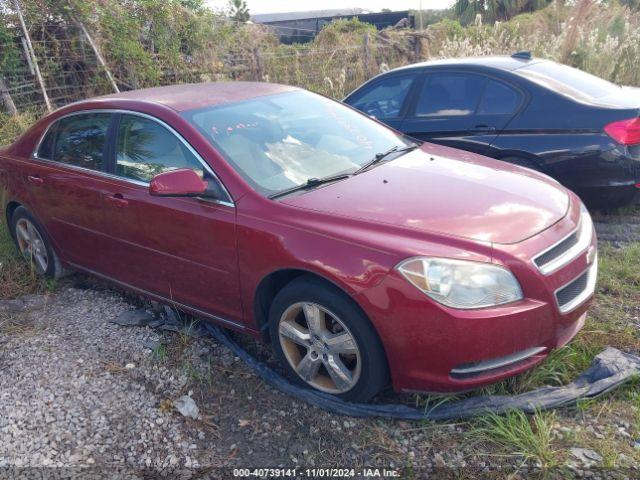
(48, 65)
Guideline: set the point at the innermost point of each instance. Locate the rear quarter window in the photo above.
(78, 140)
(499, 99)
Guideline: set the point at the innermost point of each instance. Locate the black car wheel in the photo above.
(325, 342)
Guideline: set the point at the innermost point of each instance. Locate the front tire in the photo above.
(324, 341)
(34, 244)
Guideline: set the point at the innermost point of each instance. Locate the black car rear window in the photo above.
(567, 80)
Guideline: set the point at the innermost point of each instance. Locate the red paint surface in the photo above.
(181, 182)
(211, 258)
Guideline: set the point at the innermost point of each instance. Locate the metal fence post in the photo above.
(6, 99)
(99, 57)
(366, 53)
(32, 53)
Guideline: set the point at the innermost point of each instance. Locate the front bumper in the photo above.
(434, 348)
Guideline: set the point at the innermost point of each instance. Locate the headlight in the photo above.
(461, 284)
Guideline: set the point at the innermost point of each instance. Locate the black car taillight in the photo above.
(626, 132)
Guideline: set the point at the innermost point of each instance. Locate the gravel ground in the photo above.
(78, 390)
(619, 228)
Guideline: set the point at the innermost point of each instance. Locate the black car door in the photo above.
(499, 104)
(460, 109)
(384, 99)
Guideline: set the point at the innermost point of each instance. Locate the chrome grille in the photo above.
(555, 252)
(566, 250)
(574, 293)
(571, 291)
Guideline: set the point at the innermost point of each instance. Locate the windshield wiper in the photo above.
(310, 183)
(381, 156)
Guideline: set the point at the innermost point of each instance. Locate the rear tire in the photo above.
(34, 244)
(325, 342)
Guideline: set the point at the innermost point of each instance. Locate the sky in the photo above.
(278, 6)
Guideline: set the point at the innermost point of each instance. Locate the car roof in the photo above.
(500, 62)
(199, 95)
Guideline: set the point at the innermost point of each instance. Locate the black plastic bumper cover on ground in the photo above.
(609, 369)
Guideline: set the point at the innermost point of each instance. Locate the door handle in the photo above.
(483, 129)
(36, 180)
(116, 200)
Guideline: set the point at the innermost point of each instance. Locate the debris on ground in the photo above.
(586, 456)
(187, 407)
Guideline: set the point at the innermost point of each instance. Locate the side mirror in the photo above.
(178, 183)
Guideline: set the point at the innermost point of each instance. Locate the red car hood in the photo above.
(443, 190)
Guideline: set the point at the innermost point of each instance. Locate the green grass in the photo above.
(619, 272)
(12, 126)
(16, 278)
(160, 352)
(516, 433)
(562, 366)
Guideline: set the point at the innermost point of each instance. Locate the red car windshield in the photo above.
(281, 141)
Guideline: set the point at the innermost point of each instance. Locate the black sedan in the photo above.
(580, 129)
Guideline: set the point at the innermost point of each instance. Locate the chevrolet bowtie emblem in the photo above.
(591, 255)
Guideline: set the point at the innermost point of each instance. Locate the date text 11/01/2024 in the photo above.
(316, 472)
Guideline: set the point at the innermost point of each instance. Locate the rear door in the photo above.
(499, 104)
(183, 249)
(385, 98)
(66, 181)
(461, 109)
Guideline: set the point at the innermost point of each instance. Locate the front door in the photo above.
(183, 249)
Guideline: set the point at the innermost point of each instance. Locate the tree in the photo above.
(194, 5)
(238, 10)
(634, 5)
(492, 10)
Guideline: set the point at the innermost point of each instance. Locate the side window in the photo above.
(499, 99)
(385, 99)
(145, 148)
(449, 94)
(80, 140)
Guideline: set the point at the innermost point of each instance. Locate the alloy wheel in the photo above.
(31, 245)
(319, 347)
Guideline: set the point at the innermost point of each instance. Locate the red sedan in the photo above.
(363, 257)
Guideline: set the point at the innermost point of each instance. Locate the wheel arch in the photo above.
(272, 283)
(11, 207)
